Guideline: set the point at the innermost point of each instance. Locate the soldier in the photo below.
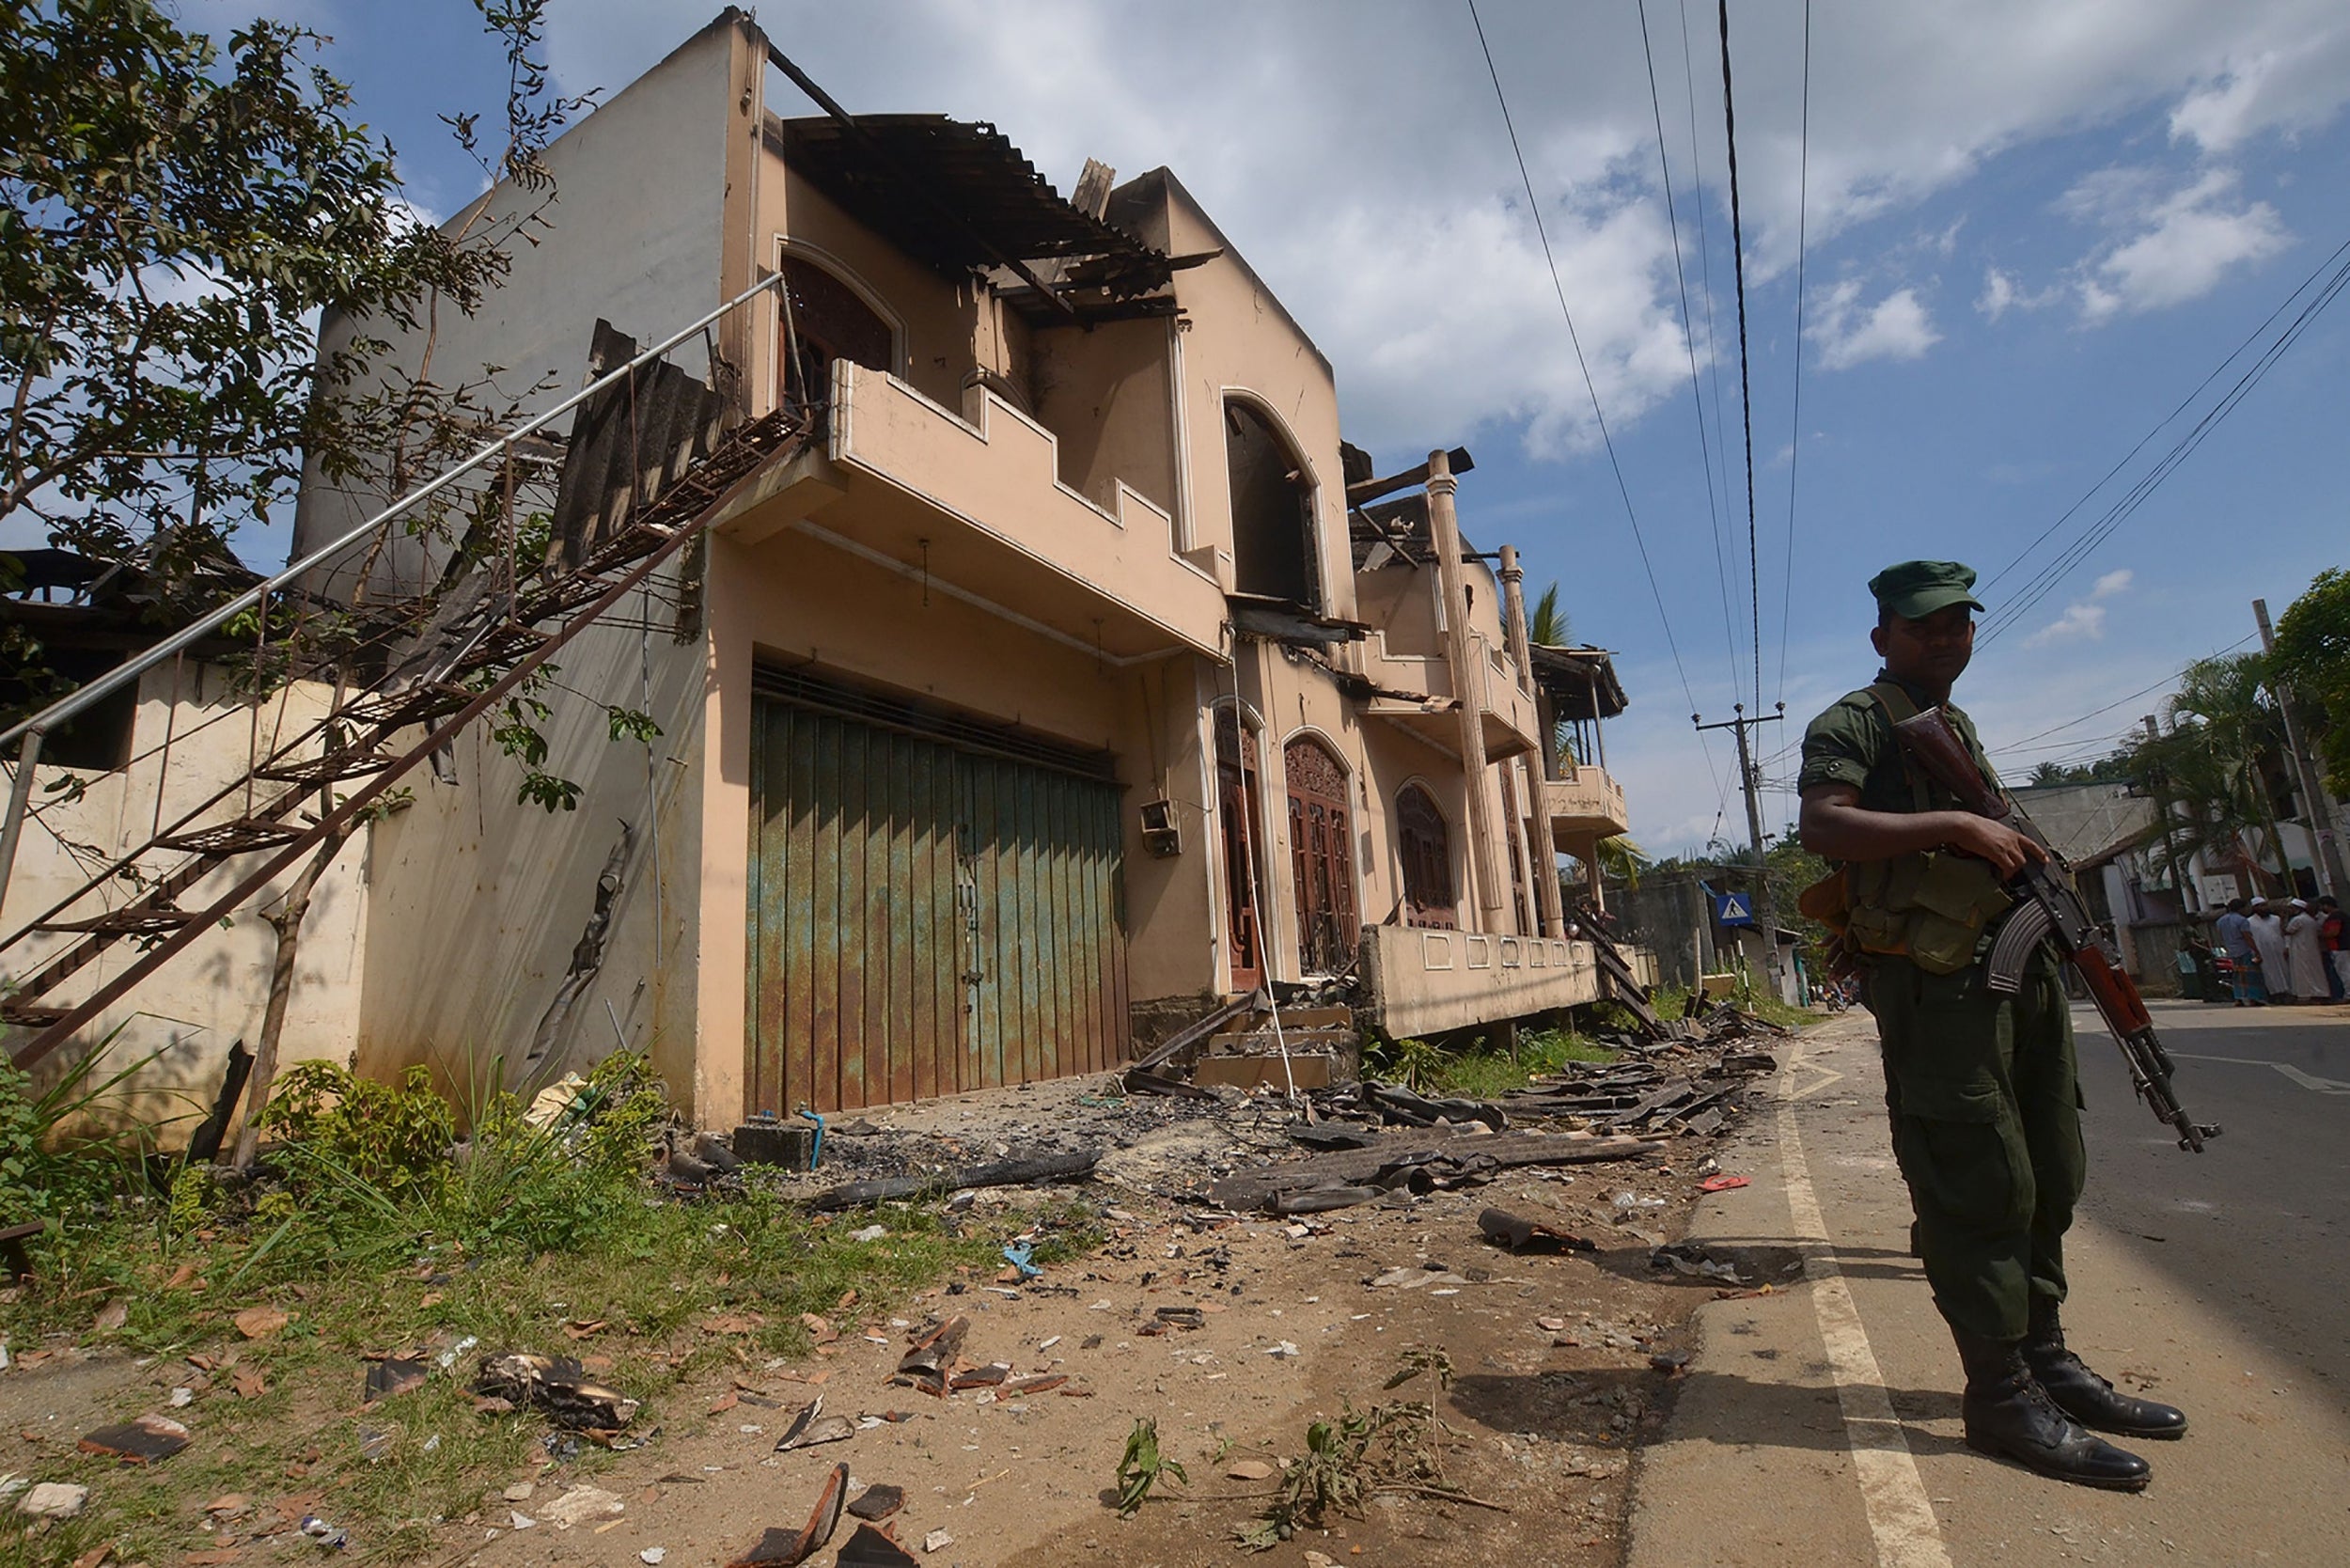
(1981, 1089)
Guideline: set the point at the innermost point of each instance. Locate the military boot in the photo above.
(2082, 1393)
(2008, 1412)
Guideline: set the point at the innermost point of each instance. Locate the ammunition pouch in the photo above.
(1931, 907)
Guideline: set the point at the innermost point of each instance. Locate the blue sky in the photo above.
(2030, 230)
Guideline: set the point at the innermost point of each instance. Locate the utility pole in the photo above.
(1750, 777)
(2314, 799)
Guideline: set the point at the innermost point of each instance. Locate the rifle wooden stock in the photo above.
(2052, 911)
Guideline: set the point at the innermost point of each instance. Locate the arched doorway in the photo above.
(1425, 842)
(1321, 840)
(1243, 830)
(828, 320)
(1273, 511)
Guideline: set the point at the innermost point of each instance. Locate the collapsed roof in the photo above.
(959, 197)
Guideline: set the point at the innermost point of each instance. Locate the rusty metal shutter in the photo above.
(923, 918)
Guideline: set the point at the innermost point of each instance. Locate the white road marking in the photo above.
(1826, 1075)
(1900, 1517)
(2306, 1081)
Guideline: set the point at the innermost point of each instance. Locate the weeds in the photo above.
(1392, 1446)
(1143, 1468)
(1481, 1072)
(378, 1228)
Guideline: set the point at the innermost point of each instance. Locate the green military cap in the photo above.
(1915, 589)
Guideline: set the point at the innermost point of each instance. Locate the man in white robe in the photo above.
(2268, 940)
(2306, 955)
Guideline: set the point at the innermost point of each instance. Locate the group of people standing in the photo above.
(2285, 950)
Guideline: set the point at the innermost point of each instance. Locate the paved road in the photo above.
(2257, 1225)
(1819, 1425)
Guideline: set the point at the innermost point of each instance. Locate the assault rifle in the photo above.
(2049, 908)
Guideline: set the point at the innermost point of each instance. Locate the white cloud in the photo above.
(2174, 246)
(1998, 293)
(2079, 619)
(1389, 218)
(1849, 333)
(2113, 582)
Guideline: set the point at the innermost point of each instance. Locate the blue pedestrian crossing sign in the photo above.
(1734, 909)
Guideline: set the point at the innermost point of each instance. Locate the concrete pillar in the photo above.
(1541, 863)
(1492, 885)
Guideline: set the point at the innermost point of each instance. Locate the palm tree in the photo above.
(2223, 728)
(1549, 623)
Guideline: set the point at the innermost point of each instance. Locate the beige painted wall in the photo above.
(211, 995)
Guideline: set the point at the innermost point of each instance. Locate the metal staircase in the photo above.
(649, 461)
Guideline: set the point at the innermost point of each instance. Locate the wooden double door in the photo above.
(925, 917)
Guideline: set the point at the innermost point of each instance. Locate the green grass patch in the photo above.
(1483, 1071)
(373, 1242)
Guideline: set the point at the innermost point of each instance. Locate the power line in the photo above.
(1697, 396)
(1705, 264)
(1541, 231)
(2071, 557)
(1746, 397)
(1794, 438)
(2094, 713)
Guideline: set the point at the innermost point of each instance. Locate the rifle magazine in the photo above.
(2019, 937)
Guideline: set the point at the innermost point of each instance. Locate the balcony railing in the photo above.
(1588, 805)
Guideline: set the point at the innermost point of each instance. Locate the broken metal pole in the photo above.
(20, 793)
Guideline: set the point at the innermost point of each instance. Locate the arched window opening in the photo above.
(1272, 512)
(1320, 855)
(1426, 844)
(828, 320)
(1237, 815)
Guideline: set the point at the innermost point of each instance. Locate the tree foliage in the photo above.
(172, 221)
(2312, 660)
(2212, 766)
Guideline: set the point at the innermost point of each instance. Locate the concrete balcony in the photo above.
(974, 504)
(1586, 807)
(1423, 982)
(1508, 714)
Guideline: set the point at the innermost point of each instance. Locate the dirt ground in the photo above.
(1560, 1365)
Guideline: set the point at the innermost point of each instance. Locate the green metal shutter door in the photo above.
(924, 919)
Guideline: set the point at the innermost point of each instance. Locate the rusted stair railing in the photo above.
(501, 634)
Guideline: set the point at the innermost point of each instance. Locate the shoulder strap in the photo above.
(1895, 705)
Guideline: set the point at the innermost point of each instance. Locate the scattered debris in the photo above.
(53, 1500)
(1520, 1235)
(812, 1427)
(928, 1362)
(328, 1536)
(112, 1316)
(878, 1502)
(938, 1540)
(139, 1442)
(1691, 1259)
(1248, 1469)
(870, 1547)
(1433, 1159)
(557, 1385)
(580, 1504)
(394, 1374)
(1720, 1183)
(870, 1233)
(1003, 1173)
(652, 1556)
(780, 1548)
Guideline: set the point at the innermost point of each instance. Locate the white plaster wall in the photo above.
(211, 994)
(634, 235)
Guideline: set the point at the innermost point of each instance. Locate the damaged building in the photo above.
(1065, 677)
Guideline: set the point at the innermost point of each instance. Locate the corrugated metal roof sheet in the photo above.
(977, 191)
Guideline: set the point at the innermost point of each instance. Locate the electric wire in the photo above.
(1541, 232)
(1795, 437)
(2094, 713)
(1746, 396)
(2120, 511)
(2067, 558)
(1697, 395)
(1705, 252)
